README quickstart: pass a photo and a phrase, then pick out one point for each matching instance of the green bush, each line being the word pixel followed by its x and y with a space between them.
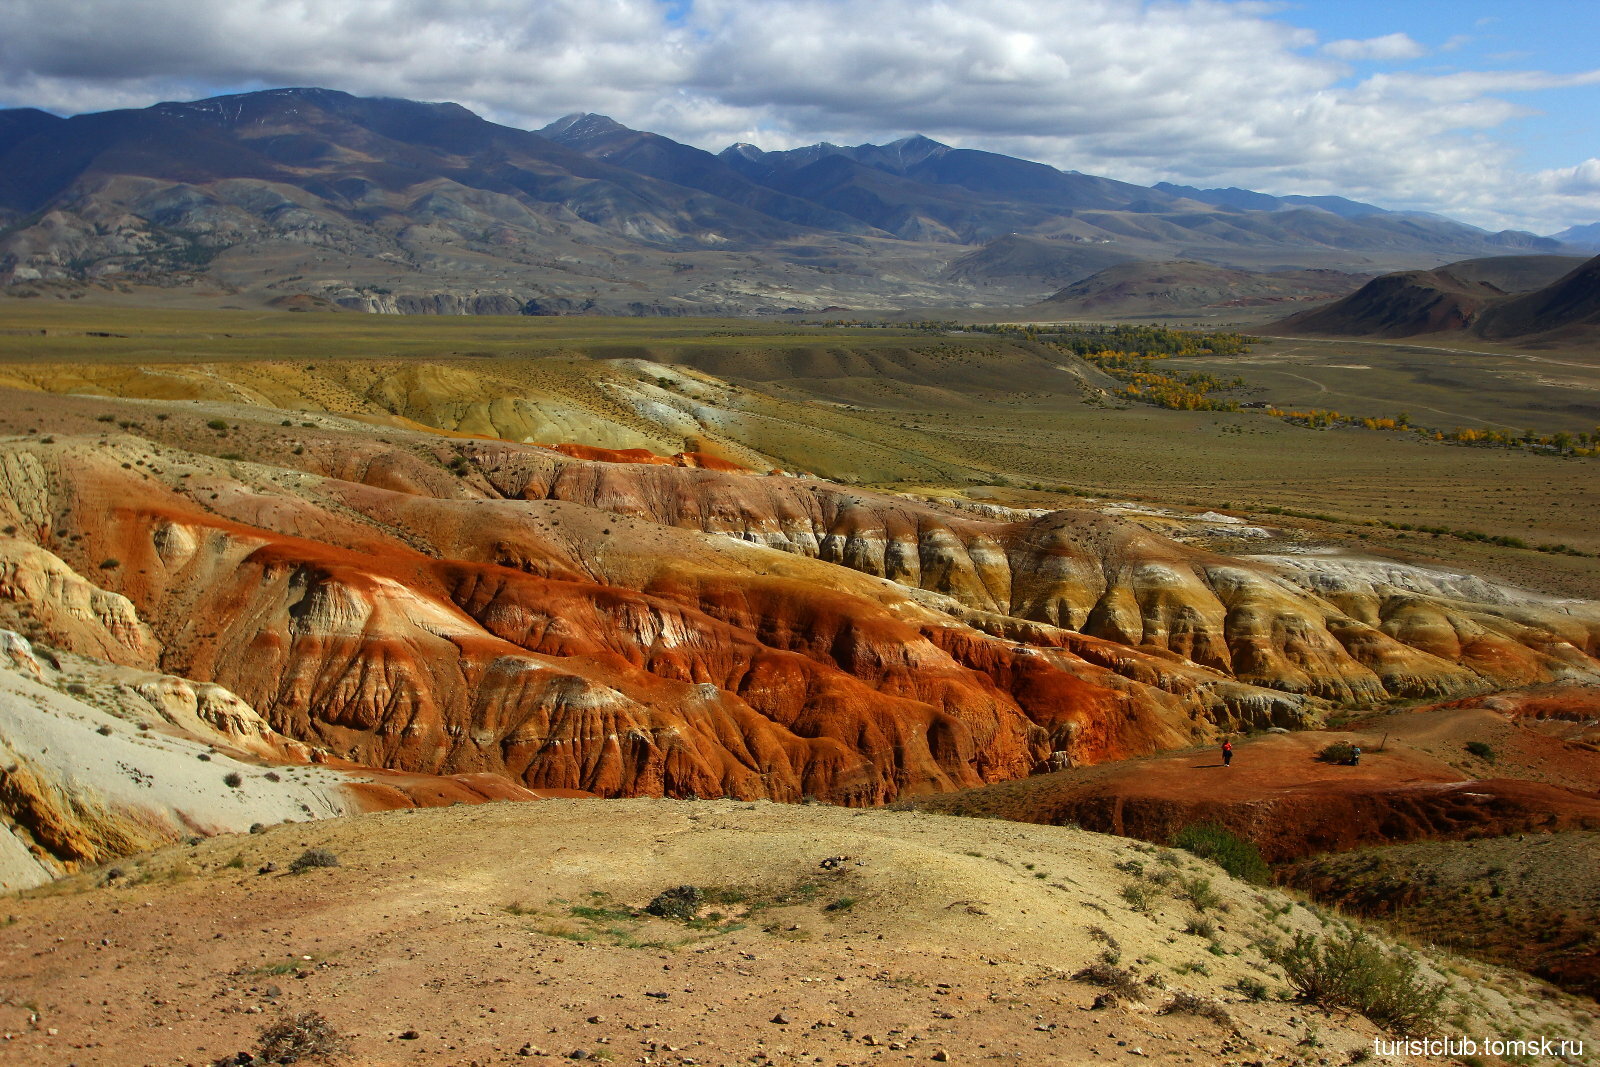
pixel 1198 892
pixel 1251 989
pixel 1138 897
pixel 1229 851
pixel 1338 752
pixel 1482 749
pixel 217 424
pixel 1351 971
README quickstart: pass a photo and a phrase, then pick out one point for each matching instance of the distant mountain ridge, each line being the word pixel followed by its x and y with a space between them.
pixel 1246 200
pixel 1487 298
pixel 1581 236
pixel 397 206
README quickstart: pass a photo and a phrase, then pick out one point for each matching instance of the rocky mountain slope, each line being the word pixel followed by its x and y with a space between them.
pixel 310 197
pixel 1581 236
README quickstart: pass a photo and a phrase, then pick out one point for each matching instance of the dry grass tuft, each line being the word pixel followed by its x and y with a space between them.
pixel 1119 981
pixel 1184 1003
pixel 301 1037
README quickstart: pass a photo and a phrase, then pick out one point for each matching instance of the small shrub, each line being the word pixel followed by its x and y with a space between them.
pixel 313 857
pixel 1251 989
pixel 1229 851
pixel 272 776
pixel 233 779
pixel 110 564
pixel 1353 972
pixel 1201 926
pixel 681 902
pixel 1482 749
pixel 302 1036
pixel 103 730
pixel 1099 933
pixel 1115 979
pixel 237 863
pixel 217 424
pixel 1137 896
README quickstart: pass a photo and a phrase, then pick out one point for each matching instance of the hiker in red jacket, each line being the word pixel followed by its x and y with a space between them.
pixel 1227 753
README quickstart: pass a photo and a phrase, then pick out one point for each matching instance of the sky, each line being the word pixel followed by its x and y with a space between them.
pixel 1486 112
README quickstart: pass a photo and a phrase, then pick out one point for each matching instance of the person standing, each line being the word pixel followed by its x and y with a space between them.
pixel 1227 753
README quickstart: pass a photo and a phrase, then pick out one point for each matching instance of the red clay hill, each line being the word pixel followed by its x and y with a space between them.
pixel 1419 777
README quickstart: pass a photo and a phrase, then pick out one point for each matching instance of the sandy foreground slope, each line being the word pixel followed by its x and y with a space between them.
pixel 509 933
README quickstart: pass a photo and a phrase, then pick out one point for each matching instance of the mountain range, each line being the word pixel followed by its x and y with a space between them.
pixel 316 198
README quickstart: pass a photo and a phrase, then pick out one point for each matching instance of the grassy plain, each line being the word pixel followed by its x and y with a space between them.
pixel 1002 419
pixel 78 332
pixel 1465 384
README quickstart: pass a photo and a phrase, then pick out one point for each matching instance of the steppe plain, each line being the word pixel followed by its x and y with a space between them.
pixel 904 408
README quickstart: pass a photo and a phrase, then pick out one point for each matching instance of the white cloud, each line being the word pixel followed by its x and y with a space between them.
pixel 1195 91
pixel 1582 180
pixel 1391 46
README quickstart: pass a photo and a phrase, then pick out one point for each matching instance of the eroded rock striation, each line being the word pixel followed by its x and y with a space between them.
pixel 461 607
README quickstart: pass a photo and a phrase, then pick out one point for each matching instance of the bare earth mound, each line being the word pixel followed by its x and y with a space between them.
pixel 818 935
